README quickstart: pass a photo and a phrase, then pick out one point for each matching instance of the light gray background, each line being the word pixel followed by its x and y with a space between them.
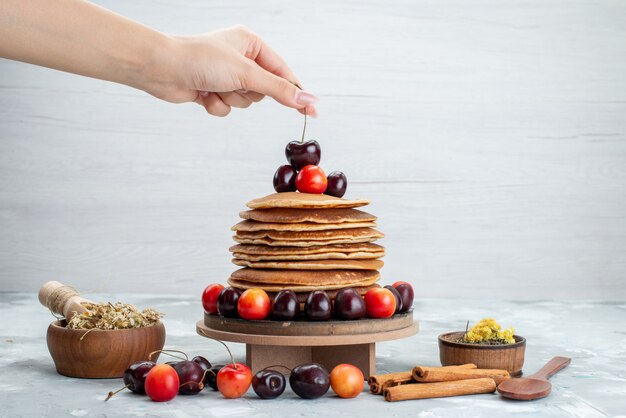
pixel 491 139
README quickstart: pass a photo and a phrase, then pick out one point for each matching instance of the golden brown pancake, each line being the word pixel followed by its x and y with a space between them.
pixel 338 278
pixel 299 200
pixel 332 234
pixel 250 226
pixel 278 243
pixel 312 264
pixel 320 216
pixel 304 257
pixel 319 249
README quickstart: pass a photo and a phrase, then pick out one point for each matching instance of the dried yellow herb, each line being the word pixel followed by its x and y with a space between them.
pixel 118 316
pixel 488 331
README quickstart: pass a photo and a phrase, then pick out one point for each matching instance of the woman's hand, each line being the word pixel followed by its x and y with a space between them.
pixel 227 68
pixel 231 67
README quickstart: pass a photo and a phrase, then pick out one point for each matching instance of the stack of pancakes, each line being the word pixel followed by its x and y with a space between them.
pixel 306 242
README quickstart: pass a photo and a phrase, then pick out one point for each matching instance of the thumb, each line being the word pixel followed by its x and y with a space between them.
pixel 281 90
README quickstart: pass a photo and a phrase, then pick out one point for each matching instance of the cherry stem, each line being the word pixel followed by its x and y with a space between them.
pixel 168 352
pixel 111 394
pixel 304 128
pixel 232 359
pixel 199 384
pixel 277 365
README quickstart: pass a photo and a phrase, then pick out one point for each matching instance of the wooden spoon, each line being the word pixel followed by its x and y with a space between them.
pixel 535 386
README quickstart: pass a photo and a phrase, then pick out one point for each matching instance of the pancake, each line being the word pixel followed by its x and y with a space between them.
pixel 319 249
pixel 320 216
pixel 270 288
pixel 304 257
pixel 332 293
pixel 331 234
pixel 248 225
pixel 337 278
pixel 312 264
pixel 299 200
pixel 278 243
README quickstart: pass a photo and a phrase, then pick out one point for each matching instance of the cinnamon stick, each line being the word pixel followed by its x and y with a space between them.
pixel 441 374
pixel 439 389
pixel 378 383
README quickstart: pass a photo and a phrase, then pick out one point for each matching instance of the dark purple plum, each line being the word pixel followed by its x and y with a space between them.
pixel 190 374
pixel 397 296
pixel 406 294
pixel 135 375
pixel 300 154
pixel 337 184
pixel 285 307
pixel 227 302
pixel 317 306
pixel 268 384
pixel 285 179
pixel 309 381
pixel 349 304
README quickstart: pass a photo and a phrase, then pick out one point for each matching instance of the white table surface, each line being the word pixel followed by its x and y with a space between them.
pixel 592 334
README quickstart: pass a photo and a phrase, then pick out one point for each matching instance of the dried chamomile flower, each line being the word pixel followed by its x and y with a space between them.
pixel 488 331
pixel 118 316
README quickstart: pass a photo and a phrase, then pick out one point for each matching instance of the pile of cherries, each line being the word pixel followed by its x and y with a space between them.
pixel 303 173
pixel 162 382
pixel 255 304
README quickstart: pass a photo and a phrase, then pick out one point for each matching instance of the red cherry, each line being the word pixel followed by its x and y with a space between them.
pixel 254 304
pixel 209 298
pixel 162 383
pixel 233 380
pixel 311 179
pixel 380 303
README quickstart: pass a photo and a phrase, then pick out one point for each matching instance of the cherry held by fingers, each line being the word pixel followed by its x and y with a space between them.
pixel 254 304
pixel 162 383
pixel 380 303
pixel 300 154
pixel 233 380
pixel 346 380
pixel 209 298
pixel 311 179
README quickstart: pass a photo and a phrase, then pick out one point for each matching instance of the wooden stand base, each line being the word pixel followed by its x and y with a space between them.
pixel 362 356
pixel 270 343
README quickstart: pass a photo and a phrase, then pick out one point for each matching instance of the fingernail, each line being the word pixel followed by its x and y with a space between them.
pixel 204 93
pixel 242 91
pixel 306 98
pixel 311 111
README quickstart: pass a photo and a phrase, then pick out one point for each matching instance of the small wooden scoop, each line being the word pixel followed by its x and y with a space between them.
pixel 535 386
pixel 62 299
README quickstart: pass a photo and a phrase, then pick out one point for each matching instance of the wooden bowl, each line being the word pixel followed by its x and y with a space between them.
pixel 101 353
pixel 508 357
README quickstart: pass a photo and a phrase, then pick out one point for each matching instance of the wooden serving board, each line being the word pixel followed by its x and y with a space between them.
pixel 292 343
